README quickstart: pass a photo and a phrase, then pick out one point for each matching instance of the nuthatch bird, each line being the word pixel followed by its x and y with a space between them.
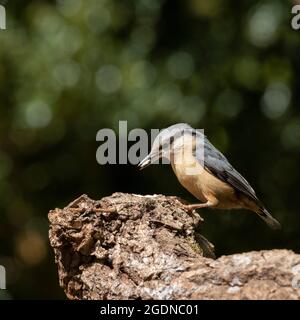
pixel 205 172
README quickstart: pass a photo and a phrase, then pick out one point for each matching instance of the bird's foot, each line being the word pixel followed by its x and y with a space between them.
pixel 189 208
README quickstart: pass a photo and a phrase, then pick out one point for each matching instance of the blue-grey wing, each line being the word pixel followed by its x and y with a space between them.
pixel 216 163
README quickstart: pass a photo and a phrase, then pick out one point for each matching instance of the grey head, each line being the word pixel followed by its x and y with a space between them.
pixel 167 142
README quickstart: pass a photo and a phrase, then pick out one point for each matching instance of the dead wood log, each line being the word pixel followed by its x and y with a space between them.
pixel 129 246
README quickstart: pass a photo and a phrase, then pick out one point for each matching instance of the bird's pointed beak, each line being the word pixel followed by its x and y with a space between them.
pixel 145 163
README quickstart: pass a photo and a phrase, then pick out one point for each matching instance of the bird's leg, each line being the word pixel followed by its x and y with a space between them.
pixel 208 204
pixel 191 207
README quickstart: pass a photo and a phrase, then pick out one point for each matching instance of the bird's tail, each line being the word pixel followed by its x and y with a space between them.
pixel 267 217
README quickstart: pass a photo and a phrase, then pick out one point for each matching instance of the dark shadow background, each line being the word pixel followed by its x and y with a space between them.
pixel 71 67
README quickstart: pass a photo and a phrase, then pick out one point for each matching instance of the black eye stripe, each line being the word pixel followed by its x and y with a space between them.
pixel 163 146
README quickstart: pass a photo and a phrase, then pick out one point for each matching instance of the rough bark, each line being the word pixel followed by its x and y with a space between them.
pixel 130 246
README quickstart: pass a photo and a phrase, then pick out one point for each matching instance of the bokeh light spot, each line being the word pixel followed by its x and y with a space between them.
pixel 98 19
pixel 67 74
pixel 247 71
pixel 142 74
pixel 276 100
pixel 205 8
pixel 142 39
pixel 263 24
pixel 69 7
pixel 181 65
pixel 168 97
pixel 37 114
pixel 192 110
pixel 31 247
pixel 109 79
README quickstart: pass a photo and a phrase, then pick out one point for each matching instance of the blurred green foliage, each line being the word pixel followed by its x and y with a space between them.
pixel 71 67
